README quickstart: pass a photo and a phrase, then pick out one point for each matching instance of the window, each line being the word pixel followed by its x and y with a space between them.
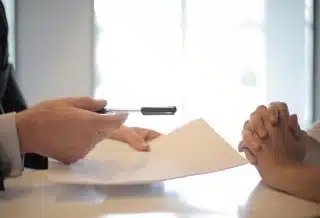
pixel 139 45
pixel 208 57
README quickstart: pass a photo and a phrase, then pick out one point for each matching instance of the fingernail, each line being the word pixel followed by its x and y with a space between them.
pixel 123 116
pixel 145 146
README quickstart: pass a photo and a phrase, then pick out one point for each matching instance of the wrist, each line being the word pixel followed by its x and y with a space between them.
pixel 281 176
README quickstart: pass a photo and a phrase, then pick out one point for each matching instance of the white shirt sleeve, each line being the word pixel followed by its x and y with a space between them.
pixel 9 143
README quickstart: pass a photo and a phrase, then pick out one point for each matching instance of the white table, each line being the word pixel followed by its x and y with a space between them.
pixel 232 193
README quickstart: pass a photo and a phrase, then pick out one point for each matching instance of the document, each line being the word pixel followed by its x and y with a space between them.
pixel 192 149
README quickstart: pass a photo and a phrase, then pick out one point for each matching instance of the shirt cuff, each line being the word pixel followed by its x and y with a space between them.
pixel 9 143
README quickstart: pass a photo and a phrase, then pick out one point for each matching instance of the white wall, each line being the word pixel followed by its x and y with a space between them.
pixel 54 48
pixel 288 77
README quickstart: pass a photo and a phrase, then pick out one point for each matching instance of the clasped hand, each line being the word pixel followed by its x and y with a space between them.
pixel 272 139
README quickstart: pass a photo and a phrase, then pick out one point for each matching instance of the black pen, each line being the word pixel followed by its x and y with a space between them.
pixel 143 110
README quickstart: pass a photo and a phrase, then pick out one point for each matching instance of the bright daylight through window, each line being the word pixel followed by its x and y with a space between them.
pixel 207 57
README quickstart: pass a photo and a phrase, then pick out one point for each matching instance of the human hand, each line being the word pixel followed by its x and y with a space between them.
pixel 256 125
pixel 65 129
pixel 136 137
pixel 278 145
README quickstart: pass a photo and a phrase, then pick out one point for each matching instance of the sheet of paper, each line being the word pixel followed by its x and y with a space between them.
pixel 192 149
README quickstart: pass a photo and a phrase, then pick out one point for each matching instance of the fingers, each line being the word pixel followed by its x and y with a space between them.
pixel 258 119
pixel 250 140
pixel 131 137
pixel 265 127
pixel 294 126
pixel 136 137
pixel 250 156
pixel 147 134
pixel 247 132
pixel 252 128
pixel 240 146
pixel 282 110
pixel 273 113
pixel 87 103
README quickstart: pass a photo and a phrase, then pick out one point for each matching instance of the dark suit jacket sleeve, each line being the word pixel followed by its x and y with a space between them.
pixel 13 100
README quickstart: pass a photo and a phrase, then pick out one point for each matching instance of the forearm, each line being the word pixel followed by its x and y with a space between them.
pixel 301 181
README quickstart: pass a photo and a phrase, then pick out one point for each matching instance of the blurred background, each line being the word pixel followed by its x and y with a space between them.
pixel 213 59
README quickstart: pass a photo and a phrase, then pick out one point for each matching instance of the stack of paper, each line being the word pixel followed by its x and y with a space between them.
pixel 193 149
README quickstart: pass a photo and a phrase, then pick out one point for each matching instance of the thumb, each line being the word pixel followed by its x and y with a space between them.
pixel 109 123
pixel 87 103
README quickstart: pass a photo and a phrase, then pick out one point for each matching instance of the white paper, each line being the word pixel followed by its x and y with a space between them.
pixel 193 149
